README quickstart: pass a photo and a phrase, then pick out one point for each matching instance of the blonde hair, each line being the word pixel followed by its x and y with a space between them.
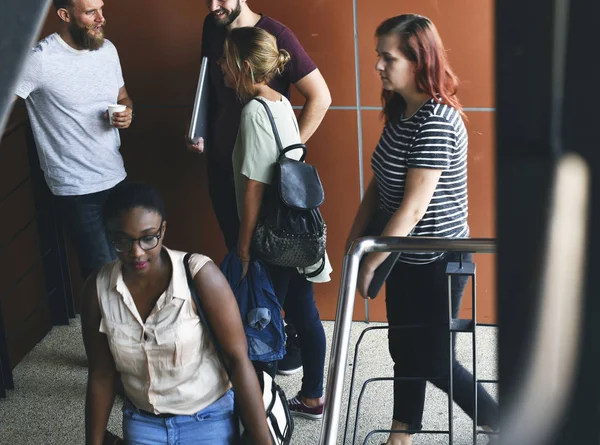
pixel 251 56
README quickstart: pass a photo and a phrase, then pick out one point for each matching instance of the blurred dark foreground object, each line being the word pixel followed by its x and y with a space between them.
pixel 111 439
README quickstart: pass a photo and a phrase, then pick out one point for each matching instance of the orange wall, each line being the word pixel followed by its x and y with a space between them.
pixel 159 46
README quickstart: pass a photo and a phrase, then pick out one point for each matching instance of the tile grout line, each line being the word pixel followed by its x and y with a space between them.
pixel 371 108
pixel 358 99
pixel 299 107
pixel 359 119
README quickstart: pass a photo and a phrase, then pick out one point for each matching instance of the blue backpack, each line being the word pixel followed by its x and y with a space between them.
pixel 259 308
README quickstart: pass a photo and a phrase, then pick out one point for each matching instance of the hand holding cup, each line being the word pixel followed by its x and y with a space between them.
pixel 119 115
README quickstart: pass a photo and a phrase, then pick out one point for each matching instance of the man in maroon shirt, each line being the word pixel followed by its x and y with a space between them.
pixel 226 108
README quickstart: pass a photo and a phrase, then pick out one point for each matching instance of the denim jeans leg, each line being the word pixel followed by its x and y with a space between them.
pixel 139 429
pixel 82 219
pixel 311 337
pixel 214 425
pixel 297 297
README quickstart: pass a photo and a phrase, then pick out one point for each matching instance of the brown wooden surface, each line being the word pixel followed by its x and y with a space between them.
pixel 159 47
pixel 26 315
pixel 466 28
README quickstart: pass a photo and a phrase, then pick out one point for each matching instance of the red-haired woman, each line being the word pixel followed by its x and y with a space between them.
pixel 419 189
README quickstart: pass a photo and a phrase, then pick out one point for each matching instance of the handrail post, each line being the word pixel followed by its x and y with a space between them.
pixel 345 308
pixel 340 345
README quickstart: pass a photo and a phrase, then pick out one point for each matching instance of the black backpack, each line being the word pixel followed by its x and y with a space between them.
pixel 291 231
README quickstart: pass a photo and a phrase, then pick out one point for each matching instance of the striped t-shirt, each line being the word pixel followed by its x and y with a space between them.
pixel 434 137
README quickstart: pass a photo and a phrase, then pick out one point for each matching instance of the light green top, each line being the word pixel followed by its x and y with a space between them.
pixel 255 152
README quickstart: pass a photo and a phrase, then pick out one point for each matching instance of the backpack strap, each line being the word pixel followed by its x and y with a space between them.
pixel 272 120
pixel 282 151
pixel 299 146
pixel 201 314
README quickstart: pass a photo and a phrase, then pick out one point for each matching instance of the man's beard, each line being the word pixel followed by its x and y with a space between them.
pixel 84 39
pixel 230 18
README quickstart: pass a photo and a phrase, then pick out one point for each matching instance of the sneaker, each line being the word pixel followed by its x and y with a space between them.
pixel 111 439
pixel 291 363
pixel 493 439
pixel 298 408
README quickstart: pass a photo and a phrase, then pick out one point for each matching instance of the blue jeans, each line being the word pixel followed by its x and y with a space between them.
pixel 214 425
pixel 81 216
pixel 296 295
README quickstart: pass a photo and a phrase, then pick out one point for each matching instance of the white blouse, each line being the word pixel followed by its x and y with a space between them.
pixel 167 364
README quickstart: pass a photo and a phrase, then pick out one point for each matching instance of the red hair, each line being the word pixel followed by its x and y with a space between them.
pixel 420 43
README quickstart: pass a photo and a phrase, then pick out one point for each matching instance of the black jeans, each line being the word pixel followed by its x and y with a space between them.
pixel 296 295
pixel 81 216
pixel 221 189
pixel 418 294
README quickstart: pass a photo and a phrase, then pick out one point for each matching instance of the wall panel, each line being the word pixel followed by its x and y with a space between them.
pixel 333 152
pixel 19 256
pixel 32 330
pixel 19 205
pixel 13 152
pixel 154 151
pixel 159 46
pixel 325 29
pixel 22 300
pixel 482 209
pixel 466 28
pixel 22 282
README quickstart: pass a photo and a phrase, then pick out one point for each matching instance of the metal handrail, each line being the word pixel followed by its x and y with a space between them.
pixel 345 308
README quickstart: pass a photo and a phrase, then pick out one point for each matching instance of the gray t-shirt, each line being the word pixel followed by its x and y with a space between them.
pixel 255 153
pixel 67 92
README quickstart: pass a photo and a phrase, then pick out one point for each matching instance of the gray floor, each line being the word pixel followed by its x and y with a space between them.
pixel 47 406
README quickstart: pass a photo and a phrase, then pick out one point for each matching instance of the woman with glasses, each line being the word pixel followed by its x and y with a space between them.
pixel 140 323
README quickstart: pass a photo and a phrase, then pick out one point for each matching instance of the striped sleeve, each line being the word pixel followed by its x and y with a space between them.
pixel 434 144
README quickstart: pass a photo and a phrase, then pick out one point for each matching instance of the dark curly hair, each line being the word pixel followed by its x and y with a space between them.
pixel 129 195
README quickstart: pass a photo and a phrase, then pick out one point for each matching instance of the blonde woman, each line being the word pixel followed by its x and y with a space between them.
pixel 251 60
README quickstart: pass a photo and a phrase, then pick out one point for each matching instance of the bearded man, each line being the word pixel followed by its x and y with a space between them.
pixel 225 113
pixel 69 80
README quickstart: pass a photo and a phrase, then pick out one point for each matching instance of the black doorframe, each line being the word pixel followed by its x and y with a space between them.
pixel 530 139
pixel 19 28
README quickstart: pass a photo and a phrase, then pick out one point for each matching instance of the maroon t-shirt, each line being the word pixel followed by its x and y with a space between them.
pixel 225 106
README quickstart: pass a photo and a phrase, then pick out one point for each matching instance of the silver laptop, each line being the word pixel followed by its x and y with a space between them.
pixel 199 122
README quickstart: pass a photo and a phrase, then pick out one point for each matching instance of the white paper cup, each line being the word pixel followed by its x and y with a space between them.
pixel 115 108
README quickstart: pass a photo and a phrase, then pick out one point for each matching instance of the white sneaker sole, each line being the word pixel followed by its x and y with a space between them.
pixel 306 415
pixel 289 371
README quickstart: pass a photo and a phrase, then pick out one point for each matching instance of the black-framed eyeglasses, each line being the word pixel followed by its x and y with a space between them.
pixel 147 242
